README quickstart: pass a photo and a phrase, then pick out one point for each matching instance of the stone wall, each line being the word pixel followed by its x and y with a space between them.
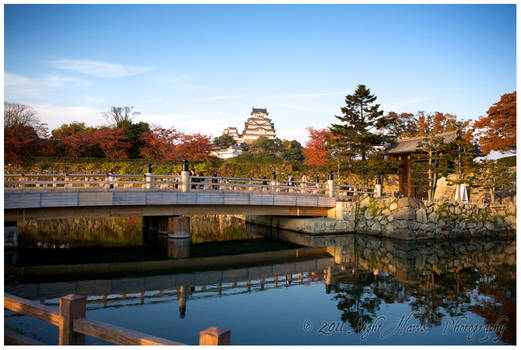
pixel 409 218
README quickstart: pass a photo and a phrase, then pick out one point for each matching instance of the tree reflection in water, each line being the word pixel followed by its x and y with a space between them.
pixel 433 296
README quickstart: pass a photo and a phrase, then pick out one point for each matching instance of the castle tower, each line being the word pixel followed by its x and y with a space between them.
pixel 258 125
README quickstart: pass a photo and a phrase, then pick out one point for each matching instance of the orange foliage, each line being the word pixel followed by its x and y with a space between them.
pixel 112 142
pixel 316 153
pixel 171 144
pixel 498 128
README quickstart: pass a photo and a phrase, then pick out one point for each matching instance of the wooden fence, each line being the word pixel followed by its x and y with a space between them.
pixel 74 326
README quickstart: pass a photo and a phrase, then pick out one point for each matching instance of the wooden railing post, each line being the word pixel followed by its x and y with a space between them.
pixel 72 307
pixel 215 336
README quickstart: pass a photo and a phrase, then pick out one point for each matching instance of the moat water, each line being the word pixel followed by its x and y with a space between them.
pixel 356 290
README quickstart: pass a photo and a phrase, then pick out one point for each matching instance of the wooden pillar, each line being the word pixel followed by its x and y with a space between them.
pixel 329 280
pixel 181 299
pixel 215 336
pixel 72 306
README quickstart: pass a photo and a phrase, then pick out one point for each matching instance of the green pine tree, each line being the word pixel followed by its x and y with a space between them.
pixel 362 131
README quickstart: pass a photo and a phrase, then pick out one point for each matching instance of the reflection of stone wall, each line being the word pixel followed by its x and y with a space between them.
pixel 409 218
pixel 407 262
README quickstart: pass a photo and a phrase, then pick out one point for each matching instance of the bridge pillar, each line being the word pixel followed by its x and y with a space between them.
pixel 178 237
pixel 152 236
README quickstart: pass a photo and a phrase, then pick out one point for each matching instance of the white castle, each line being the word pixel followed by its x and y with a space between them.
pixel 256 126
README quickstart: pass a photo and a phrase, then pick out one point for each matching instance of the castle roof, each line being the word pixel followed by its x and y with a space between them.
pixel 259 110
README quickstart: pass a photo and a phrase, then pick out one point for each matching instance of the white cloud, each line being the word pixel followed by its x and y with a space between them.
pixel 55 116
pixel 395 106
pixel 20 87
pixel 99 68
pixel 94 98
pixel 301 135
pixel 313 94
pixel 216 98
pixel 188 123
pixel 154 100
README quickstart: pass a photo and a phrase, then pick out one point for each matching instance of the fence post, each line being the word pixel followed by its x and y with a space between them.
pixel 378 186
pixel 274 181
pixel 148 177
pixel 67 179
pixel 215 336
pixel 185 177
pixel 72 307
pixel 22 184
pixel 330 184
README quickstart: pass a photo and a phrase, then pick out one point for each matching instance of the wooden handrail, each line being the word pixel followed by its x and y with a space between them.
pixel 117 335
pixel 73 326
pixel 32 309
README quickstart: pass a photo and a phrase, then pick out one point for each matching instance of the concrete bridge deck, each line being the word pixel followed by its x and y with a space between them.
pixel 49 196
pixel 50 205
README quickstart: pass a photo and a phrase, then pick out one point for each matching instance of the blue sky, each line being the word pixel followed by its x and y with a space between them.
pixel 200 68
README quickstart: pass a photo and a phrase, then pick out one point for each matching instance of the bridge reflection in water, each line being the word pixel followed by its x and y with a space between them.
pixel 436 281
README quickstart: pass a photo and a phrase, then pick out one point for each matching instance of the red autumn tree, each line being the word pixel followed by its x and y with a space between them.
pixel 195 147
pixel 316 152
pixel 24 134
pixel 74 140
pixel 435 123
pixel 112 142
pixel 497 131
pixel 161 144
pixel 20 141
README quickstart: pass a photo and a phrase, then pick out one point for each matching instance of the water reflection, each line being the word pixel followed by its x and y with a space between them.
pixel 437 279
pixel 433 287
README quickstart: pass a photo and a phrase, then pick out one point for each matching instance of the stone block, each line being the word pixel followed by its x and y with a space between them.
pixel 421 216
pixel 405 213
pixel 410 202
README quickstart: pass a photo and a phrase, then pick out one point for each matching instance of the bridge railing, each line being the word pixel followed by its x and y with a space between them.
pixel 204 183
pixel 344 191
pixel 129 182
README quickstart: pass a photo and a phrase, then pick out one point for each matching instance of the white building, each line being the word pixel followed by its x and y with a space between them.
pixel 256 126
pixel 230 152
